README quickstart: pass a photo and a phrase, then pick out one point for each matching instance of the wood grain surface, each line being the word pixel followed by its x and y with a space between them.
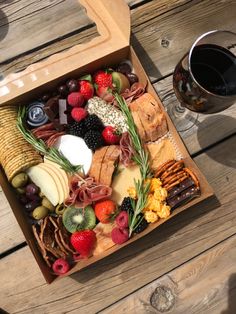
pixel 162 32
pixel 205 284
pixel 111 279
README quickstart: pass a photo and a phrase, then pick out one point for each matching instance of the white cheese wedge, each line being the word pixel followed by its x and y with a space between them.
pixel 75 150
pixel 45 182
pixel 123 181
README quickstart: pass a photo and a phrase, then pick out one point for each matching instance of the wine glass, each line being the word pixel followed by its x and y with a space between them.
pixel 204 80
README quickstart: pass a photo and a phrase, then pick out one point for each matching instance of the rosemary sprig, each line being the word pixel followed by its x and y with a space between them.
pixel 50 152
pixel 141 158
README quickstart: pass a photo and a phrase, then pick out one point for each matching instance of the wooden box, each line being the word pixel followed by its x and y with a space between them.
pixel 113 24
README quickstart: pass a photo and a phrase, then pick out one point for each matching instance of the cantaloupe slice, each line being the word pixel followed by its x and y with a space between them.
pixel 56 177
pixel 124 180
pixel 45 182
pixel 62 175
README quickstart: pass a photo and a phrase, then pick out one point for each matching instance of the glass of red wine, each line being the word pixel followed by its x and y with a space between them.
pixel 205 78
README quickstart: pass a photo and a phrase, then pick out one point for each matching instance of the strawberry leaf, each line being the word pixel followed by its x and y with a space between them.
pixel 87 77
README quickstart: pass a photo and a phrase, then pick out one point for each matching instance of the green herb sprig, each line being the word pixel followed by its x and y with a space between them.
pixel 50 152
pixel 141 158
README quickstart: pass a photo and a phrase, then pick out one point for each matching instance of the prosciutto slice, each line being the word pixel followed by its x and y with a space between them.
pixel 126 150
pixel 86 191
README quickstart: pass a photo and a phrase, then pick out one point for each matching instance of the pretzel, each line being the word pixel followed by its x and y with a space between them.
pixel 193 176
pixel 173 169
pixel 163 167
pixel 170 186
pixel 173 177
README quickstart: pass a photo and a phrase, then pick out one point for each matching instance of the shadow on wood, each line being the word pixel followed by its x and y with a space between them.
pixel 145 59
pixel 4 25
pixel 231 296
pixel 157 236
pixel 204 138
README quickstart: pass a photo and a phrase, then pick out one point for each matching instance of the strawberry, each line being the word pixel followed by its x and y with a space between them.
pixel 119 235
pixel 60 266
pixel 78 114
pixel 75 99
pixel 102 79
pixel 104 210
pixel 110 135
pixel 86 89
pixel 83 242
pixel 105 93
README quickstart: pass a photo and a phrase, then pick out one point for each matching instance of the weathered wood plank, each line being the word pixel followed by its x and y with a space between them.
pixel 34 23
pixel 113 278
pixel 161 38
pixel 162 32
pixel 11 234
pixel 204 285
pixel 209 128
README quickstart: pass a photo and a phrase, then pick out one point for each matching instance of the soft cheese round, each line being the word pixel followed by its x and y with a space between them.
pixel 75 150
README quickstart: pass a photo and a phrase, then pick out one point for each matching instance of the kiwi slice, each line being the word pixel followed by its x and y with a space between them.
pixel 75 219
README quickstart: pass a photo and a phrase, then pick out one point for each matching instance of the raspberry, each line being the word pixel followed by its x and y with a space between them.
pixel 92 122
pixel 78 114
pixel 122 220
pixel 77 128
pixel 93 139
pixel 75 99
pixel 119 235
pixel 60 266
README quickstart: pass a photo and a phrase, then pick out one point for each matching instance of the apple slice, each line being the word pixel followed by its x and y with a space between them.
pixel 62 174
pixel 55 176
pixel 45 182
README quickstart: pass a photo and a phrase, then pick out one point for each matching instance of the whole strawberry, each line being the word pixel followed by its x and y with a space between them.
pixel 104 210
pixel 83 242
pixel 102 79
pixel 111 135
pixel 86 89
pixel 78 114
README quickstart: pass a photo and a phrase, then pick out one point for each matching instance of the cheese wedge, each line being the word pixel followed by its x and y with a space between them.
pixel 124 180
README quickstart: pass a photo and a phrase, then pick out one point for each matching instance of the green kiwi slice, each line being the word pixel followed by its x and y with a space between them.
pixel 75 219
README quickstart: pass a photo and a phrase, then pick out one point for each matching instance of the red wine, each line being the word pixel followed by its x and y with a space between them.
pixel 214 68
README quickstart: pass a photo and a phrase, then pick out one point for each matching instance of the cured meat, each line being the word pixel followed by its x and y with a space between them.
pixel 126 150
pixel 149 118
pixel 86 191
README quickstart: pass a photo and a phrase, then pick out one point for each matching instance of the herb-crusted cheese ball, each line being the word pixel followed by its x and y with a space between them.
pixel 109 114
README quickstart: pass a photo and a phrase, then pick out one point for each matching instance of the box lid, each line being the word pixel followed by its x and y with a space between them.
pixel 112 19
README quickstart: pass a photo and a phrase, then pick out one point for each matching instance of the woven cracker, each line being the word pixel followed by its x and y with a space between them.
pixel 16 154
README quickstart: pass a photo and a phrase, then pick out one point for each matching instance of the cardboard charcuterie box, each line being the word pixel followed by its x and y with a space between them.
pixel 112 19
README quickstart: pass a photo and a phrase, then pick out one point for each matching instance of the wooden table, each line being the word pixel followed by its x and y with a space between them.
pixel 188 264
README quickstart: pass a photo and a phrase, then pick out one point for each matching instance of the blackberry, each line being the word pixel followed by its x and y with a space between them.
pixel 77 128
pixel 92 122
pixel 93 139
pixel 141 226
pixel 126 204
